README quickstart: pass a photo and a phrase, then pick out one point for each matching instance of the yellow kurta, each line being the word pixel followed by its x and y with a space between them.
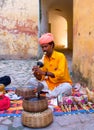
pixel 56 64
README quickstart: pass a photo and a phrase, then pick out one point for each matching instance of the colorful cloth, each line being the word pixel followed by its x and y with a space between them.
pixel 15 109
pixel 4 103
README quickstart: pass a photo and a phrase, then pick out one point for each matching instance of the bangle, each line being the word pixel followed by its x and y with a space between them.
pixel 45 73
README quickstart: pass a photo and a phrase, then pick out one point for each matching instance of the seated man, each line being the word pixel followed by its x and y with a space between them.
pixel 54 74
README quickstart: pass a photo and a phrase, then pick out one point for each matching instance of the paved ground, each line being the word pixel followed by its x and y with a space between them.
pixel 20 72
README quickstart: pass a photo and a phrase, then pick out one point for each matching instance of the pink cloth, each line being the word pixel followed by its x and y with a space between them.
pixel 46 38
pixel 4 102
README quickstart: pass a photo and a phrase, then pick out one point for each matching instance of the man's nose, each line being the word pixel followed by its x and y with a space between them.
pixel 44 49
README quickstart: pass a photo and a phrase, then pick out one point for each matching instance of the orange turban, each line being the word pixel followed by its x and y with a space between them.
pixel 46 38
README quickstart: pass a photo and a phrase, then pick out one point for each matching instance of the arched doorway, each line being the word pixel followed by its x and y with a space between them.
pixel 58 27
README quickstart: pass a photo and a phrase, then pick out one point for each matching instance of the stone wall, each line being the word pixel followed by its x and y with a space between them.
pixel 18 29
pixel 83 44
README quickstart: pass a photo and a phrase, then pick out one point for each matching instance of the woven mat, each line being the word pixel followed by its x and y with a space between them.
pixel 16 109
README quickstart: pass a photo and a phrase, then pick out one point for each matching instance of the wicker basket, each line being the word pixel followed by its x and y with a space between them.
pixel 29 91
pixel 37 120
pixel 25 92
pixel 35 104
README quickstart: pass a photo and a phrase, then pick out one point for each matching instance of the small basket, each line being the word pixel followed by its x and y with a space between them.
pixel 29 91
pixel 35 104
pixel 25 92
pixel 37 120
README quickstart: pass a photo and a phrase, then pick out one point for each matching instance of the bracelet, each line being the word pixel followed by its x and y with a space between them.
pixel 46 74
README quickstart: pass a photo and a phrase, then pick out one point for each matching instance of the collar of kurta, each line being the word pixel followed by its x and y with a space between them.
pixel 53 55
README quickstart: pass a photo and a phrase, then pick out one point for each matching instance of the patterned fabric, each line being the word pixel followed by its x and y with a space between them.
pixel 16 108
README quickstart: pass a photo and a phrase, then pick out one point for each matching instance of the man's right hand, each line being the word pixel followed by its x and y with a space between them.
pixel 37 75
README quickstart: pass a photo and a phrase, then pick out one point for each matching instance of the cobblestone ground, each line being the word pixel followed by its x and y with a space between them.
pixel 20 72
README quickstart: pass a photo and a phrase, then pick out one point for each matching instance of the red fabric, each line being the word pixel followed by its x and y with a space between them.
pixel 4 103
pixel 46 38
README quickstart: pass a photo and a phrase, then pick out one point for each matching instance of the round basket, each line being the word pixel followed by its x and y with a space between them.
pixel 37 120
pixel 29 91
pixel 25 92
pixel 35 104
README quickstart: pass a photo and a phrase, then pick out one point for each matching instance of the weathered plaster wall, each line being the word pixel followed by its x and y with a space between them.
pixel 18 28
pixel 83 44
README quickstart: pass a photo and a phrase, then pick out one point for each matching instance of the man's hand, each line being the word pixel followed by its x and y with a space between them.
pixel 38 72
pixel 37 75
